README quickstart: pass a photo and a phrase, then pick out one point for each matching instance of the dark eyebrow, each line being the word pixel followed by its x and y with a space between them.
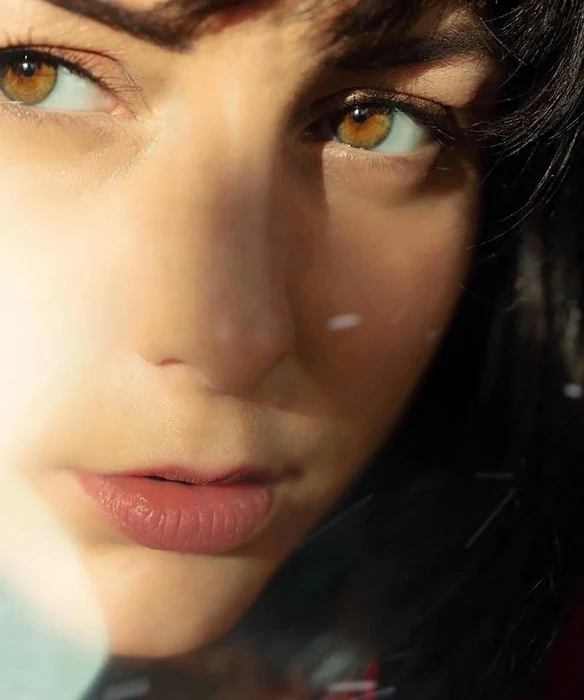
pixel 171 24
pixel 389 50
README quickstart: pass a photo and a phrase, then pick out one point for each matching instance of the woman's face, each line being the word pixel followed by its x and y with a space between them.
pixel 226 263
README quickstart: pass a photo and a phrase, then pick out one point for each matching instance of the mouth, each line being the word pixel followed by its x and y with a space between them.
pixel 180 509
pixel 191 477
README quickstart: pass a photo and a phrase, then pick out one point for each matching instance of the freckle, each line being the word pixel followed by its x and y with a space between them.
pixel 345 322
pixel 573 391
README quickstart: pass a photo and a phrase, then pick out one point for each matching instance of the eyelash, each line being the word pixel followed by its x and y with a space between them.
pixel 438 118
pixel 84 64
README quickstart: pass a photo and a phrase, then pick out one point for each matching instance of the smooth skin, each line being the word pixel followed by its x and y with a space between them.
pixel 187 277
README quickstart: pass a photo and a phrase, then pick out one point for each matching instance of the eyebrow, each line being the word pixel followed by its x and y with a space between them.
pixel 171 24
pixel 391 51
pixel 167 24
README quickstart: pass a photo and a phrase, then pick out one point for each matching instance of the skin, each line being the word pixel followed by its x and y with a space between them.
pixel 170 272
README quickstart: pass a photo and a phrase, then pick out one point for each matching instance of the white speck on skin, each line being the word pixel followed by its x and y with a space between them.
pixel 136 688
pixel 573 391
pixel 345 322
pixel 432 335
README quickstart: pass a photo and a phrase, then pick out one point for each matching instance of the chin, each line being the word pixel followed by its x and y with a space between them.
pixel 160 606
pixel 158 637
pixel 166 646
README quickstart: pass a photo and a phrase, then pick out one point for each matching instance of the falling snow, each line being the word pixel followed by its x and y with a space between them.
pixel 137 688
pixel 492 517
pixel 494 476
pixel 573 391
pixel 352 686
pixel 344 322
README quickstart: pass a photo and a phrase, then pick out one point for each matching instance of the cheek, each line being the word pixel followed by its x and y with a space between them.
pixel 383 299
pixel 55 318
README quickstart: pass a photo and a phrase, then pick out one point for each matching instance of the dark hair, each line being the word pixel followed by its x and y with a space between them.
pixel 447 561
pixel 455 552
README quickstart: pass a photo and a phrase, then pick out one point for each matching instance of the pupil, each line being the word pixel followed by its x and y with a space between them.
pixel 28 68
pixel 360 115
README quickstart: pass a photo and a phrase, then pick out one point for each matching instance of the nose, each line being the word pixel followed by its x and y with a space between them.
pixel 211 288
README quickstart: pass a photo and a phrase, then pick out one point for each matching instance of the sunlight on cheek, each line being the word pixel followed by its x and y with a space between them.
pixel 39 364
pixel 53 640
pixel 57 623
pixel 56 328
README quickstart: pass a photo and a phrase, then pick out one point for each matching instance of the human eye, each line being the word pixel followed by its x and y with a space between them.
pixel 385 124
pixel 53 80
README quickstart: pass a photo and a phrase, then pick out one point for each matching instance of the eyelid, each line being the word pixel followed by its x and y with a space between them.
pixel 104 72
pixel 439 118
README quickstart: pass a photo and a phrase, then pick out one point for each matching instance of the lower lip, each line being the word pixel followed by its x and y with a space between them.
pixel 175 517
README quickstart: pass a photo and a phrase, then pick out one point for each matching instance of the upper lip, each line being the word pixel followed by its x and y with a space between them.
pixel 193 475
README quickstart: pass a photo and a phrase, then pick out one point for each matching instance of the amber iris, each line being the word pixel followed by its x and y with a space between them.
pixel 28 81
pixel 365 127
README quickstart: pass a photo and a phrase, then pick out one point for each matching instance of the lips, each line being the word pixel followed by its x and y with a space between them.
pixel 178 509
pixel 186 475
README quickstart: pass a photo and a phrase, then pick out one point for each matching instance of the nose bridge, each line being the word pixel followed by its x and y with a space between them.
pixel 216 266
